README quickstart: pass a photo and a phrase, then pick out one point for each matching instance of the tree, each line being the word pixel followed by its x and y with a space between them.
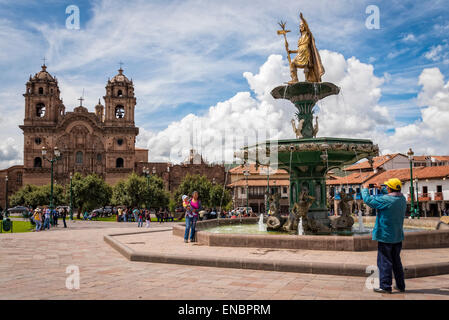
pixel 31 195
pixel 219 196
pixel 192 183
pixel 135 192
pixel 89 192
pixel 209 194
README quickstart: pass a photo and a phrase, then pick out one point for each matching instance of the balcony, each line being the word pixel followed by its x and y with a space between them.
pixel 424 197
pixel 439 196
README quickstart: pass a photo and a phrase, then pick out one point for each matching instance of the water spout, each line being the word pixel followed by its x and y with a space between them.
pixel 300 228
pixel 262 226
pixel 361 226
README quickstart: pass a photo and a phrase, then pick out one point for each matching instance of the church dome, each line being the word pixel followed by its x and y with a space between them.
pixel 120 77
pixel 43 74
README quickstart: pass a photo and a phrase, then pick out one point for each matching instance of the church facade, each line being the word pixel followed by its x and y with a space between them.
pixel 101 142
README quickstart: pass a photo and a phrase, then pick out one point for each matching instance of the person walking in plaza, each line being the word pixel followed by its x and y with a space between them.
pixel 388 232
pixel 47 216
pixel 55 217
pixel 140 218
pixel 63 216
pixel 192 212
pixel 37 217
pixel 147 218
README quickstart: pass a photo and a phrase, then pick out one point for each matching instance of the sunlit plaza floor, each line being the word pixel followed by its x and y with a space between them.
pixel 33 266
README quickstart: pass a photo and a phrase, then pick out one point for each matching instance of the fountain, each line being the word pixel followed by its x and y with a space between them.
pixel 308 158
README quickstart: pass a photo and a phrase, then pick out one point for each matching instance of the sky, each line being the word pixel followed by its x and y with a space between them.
pixel 203 70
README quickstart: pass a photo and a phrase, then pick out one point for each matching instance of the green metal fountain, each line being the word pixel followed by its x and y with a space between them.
pixel 308 158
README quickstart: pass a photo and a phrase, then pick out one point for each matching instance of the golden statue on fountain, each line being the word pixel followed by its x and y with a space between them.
pixel 307 58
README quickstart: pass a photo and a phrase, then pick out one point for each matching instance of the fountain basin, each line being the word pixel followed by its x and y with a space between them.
pixel 412 240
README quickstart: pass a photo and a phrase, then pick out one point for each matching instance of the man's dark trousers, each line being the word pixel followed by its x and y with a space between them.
pixel 389 261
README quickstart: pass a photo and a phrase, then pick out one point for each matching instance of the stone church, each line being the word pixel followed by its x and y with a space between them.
pixel 101 142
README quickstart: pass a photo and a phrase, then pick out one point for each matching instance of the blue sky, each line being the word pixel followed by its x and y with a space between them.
pixel 186 56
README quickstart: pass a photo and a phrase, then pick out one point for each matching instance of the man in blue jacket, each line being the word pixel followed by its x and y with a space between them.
pixel 388 232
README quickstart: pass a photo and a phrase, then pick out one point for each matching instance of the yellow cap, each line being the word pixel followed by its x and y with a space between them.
pixel 394 183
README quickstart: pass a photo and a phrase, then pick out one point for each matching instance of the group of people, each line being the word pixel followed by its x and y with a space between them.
pixel 46 217
pixel 134 215
pixel 164 215
pixel 192 207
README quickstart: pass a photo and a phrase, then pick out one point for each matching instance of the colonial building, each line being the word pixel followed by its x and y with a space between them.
pixel 101 142
pixel 255 186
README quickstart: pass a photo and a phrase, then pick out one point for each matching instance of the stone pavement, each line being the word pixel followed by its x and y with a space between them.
pixel 165 242
pixel 33 266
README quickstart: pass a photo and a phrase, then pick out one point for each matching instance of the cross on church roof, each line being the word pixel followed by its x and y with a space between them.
pixel 121 63
pixel 81 99
pixel 44 60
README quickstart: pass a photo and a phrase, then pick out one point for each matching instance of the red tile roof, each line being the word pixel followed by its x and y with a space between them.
pixel 418 172
pixel 252 170
pixel 260 183
pixel 377 162
pixel 353 178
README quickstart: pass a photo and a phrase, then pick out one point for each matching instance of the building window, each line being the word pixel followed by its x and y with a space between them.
pixel 119 112
pixel 119 141
pixel 37 162
pixel 19 179
pixel 41 90
pixel 79 158
pixel 284 189
pixel 119 163
pixel 99 157
pixel 119 93
pixel 40 110
pixel 38 140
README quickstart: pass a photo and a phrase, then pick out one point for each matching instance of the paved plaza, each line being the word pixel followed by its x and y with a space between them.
pixel 33 266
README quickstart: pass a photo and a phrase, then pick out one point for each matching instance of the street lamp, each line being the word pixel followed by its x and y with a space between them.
pixel 71 197
pixel 54 157
pixel 417 197
pixel 267 208
pixel 246 174
pixel 6 193
pixel 410 154
pixel 146 171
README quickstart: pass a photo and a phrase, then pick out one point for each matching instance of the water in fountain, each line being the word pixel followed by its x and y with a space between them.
pixel 262 226
pixel 300 228
pixel 361 226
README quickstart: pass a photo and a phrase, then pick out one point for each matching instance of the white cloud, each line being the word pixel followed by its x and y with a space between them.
pixel 242 116
pixel 409 38
pixel 428 135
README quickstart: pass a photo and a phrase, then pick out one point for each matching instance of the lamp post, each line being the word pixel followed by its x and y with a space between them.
pixel 6 194
pixel 247 174
pixel 54 157
pixel 410 154
pixel 268 191
pixel 71 197
pixel 146 171
pixel 417 198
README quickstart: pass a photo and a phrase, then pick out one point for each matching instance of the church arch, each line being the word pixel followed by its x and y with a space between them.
pixel 37 162
pixel 119 163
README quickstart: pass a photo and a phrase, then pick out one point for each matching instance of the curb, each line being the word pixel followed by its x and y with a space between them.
pixel 328 268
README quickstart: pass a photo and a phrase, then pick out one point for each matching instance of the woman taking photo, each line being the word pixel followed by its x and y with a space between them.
pixel 192 211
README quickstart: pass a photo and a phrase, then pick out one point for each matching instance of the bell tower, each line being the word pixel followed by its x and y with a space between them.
pixel 43 105
pixel 119 101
